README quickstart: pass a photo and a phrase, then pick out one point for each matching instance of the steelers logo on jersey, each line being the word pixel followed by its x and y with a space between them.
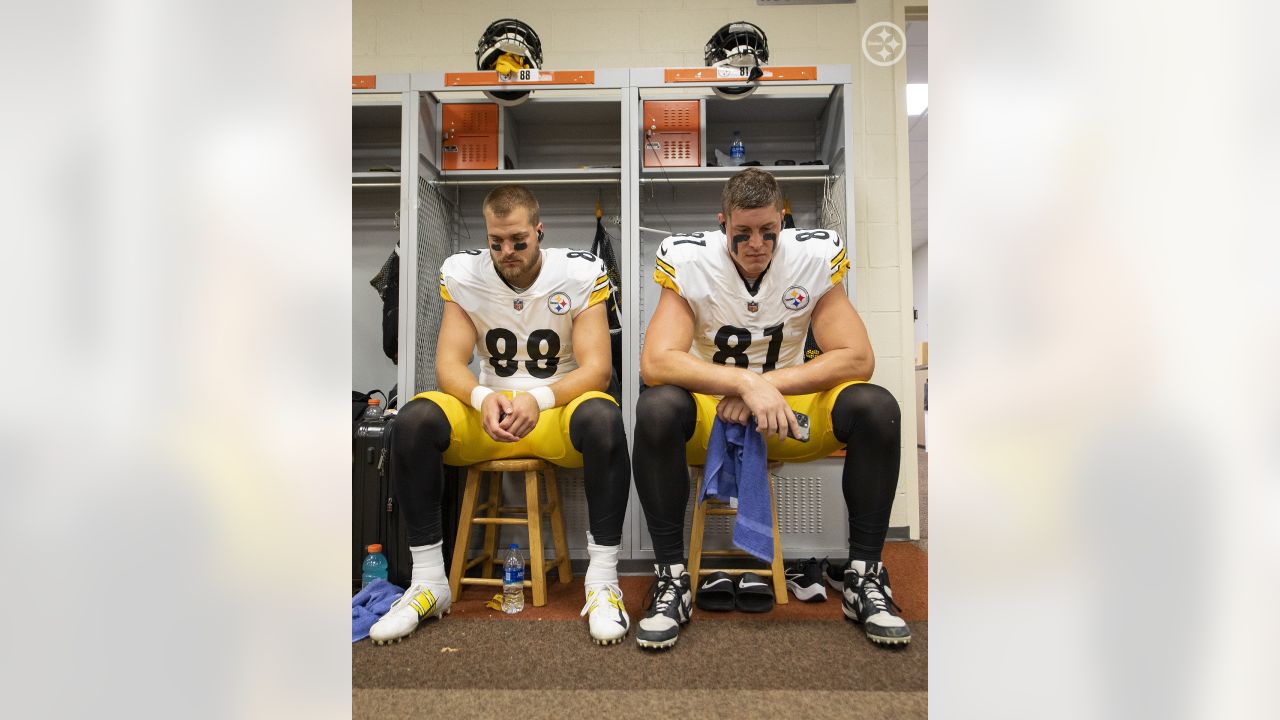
pixel 795 298
pixel 559 303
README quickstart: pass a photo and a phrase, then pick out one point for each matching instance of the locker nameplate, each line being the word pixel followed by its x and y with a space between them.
pixel 534 77
pixel 710 74
pixel 364 82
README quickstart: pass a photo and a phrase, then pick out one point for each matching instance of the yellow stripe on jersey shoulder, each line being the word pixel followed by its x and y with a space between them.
pixel 839 256
pixel 444 293
pixel 665 280
pixel 837 273
pixel 598 296
pixel 666 266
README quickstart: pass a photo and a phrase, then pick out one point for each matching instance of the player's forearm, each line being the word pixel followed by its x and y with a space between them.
pixel 824 372
pixel 456 379
pixel 584 378
pixel 680 368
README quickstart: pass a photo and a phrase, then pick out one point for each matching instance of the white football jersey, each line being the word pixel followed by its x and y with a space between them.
pixel 524 339
pixel 733 326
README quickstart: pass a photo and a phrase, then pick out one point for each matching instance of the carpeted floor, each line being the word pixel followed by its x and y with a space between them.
pixel 799 658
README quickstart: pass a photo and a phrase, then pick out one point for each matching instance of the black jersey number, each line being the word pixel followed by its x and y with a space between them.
pixel 581 254
pixel 694 238
pixel 501 343
pixel 741 340
pixel 813 234
pixel 818 235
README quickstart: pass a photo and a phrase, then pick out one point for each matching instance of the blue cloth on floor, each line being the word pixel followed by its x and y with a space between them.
pixel 738 466
pixel 372 602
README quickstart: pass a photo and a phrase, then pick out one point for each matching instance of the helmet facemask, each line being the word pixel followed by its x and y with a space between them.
pixel 505 46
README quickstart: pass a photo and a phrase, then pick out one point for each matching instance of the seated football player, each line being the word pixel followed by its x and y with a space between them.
pixel 535 316
pixel 727 341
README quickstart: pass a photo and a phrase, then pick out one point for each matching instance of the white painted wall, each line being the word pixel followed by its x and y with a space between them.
pixel 920 290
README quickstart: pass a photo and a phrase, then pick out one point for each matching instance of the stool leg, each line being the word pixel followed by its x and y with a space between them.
pixel 537 557
pixel 695 539
pixel 557 526
pixel 779 578
pixel 491 531
pixel 464 532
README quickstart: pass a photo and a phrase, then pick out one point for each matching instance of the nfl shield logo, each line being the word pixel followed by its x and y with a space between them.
pixel 518 304
pixel 752 306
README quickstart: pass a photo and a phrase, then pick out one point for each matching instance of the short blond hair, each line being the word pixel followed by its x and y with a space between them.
pixel 503 199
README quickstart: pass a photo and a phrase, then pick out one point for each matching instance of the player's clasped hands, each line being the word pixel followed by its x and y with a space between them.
pixel 506 419
pixel 522 417
pixel 493 413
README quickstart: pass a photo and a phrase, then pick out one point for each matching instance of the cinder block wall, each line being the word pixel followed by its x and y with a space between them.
pixel 395 36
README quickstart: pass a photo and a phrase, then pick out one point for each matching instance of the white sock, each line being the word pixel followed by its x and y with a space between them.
pixel 861 566
pixel 677 569
pixel 603 568
pixel 428 565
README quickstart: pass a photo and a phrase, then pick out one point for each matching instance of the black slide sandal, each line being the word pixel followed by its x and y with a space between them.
pixel 753 594
pixel 717 592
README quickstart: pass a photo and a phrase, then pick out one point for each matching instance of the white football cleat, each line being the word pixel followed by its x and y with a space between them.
pixel 418 603
pixel 606 616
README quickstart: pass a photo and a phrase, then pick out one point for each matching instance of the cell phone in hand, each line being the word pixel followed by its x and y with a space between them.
pixel 803 421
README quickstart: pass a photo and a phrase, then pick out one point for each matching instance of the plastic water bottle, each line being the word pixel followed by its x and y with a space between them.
pixel 373 413
pixel 375 565
pixel 513 581
pixel 737 151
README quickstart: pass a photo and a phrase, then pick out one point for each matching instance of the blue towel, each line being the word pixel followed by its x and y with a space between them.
pixel 738 466
pixel 372 602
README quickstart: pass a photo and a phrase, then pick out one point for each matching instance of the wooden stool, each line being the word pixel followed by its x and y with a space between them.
pixel 530 516
pixel 711 506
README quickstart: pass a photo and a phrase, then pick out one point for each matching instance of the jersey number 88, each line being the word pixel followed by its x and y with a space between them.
pixel 501 343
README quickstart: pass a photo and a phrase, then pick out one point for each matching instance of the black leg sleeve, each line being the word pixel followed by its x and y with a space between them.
pixel 420 437
pixel 866 417
pixel 596 431
pixel 665 420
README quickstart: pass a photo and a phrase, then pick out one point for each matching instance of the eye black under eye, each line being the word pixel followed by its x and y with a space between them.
pixel 771 237
pixel 495 247
pixel 520 246
pixel 741 238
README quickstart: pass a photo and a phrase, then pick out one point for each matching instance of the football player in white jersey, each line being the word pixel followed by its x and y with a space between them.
pixel 536 318
pixel 727 341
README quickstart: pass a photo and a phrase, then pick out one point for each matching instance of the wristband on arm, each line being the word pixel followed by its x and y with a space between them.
pixel 478 394
pixel 545 397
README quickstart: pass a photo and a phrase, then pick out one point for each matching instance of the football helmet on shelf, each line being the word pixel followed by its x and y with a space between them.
pixel 505 46
pixel 742 45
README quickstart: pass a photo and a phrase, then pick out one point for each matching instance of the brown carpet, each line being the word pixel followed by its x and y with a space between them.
pixel 537 704
pixel 800 658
